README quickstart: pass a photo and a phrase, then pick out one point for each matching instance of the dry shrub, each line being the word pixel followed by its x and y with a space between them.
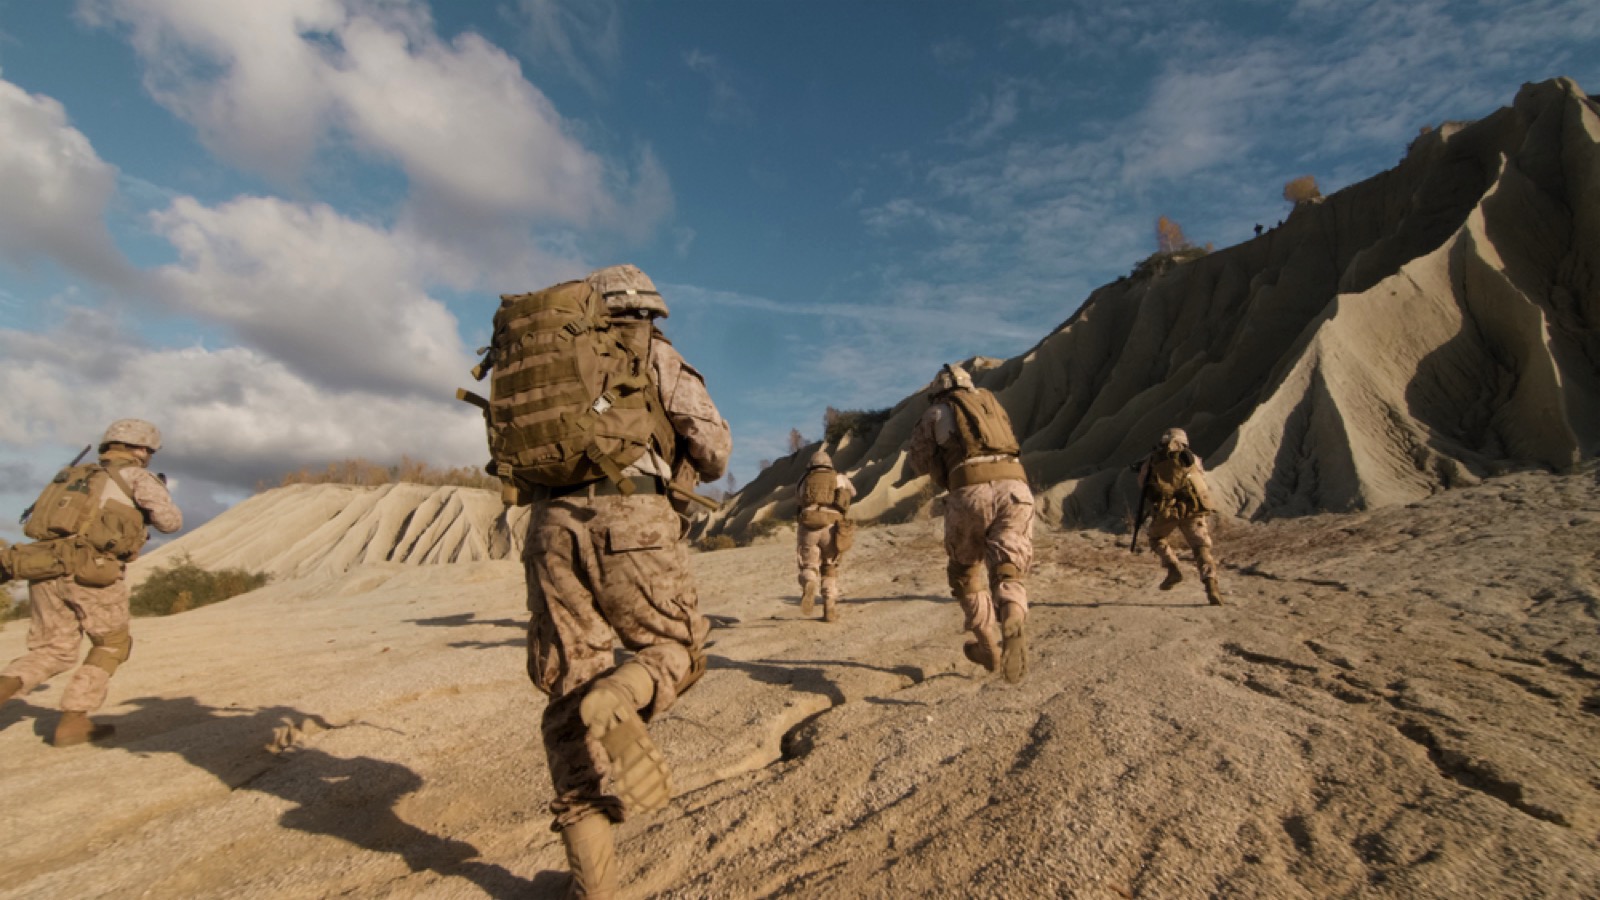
pixel 836 423
pixel 716 542
pixel 1302 190
pixel 363 473
pixel 1169 236
pixel 182 586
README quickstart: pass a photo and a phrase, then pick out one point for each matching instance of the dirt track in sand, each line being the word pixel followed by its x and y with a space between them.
pixel 1397 703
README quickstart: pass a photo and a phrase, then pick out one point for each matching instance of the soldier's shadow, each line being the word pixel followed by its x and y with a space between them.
pixel 460 620
pixel 349 798
pixel 806 678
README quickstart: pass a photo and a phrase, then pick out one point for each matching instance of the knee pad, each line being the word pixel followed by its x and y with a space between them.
pixel 965 581
pixel 1007 572
pixel 109 650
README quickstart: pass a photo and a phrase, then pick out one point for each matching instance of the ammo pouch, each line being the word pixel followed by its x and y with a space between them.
pixel 92 568
pixel 844 537
pixel 38 561
pixel 817 517
pixel 985 472
pixel 118 531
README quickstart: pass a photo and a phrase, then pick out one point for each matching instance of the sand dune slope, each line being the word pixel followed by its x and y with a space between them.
pixel 1416 331
pixel 1395 703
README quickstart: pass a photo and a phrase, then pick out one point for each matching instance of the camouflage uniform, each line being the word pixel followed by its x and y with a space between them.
pixel 599 565
pixel 987 525
pixel 817 547
pixel 1188 516
pixel 63 611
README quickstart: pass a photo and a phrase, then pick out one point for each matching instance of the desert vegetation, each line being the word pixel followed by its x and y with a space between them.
pixel 836 423
pixel 1302 190
pixel 365 473
pixel 183 586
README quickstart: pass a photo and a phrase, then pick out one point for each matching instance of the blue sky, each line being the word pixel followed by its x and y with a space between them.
pixel 277 229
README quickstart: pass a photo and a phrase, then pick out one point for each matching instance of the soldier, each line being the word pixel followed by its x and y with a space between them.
pixel 823 534
pixel 965 443
pixel 601 563
pixel 1173 487
pixel 91 596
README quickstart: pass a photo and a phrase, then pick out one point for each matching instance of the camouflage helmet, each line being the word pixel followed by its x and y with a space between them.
pixel 1173 439
pixel 950 377
pixel 820 460
pixel 626 288
pixel 134 432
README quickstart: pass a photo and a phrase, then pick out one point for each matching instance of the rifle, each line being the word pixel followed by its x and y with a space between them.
pixel 680 490
pixel 75 460
pixel 1138 519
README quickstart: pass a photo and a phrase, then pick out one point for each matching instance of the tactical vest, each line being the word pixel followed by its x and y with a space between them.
pixel 573 398
pixel 93 502
pixel 982 429
pixel 1173 485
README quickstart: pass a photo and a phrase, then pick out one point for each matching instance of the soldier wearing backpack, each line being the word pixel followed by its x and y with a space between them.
pixel 87 525
pixel 1173 485
pixel 965 443
pixel 592 414
pixel 823 534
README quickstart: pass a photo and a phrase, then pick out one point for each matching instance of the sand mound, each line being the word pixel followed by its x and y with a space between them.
pixel 1420 330
pixel 309 529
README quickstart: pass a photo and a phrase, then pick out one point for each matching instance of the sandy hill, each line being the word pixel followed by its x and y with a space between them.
pixel 1401 702
pixel 307 529
pixel 1420 330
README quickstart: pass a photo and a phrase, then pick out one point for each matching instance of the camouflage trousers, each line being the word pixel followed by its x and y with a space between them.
pixel 817 555
pixel 63 612
pixel 1195 531
pixel 989 526
pixel 602 568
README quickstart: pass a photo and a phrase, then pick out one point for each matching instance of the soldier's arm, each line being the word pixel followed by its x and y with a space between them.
pixel 844 493
pixel 151 496
pixel 922 449
pixel 704 436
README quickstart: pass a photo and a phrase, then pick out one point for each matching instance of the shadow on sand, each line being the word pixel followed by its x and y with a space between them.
pixel 461 620
pixel 352 799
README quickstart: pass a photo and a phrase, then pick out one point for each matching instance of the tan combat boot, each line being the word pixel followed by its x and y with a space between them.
pixel 9 686
pixel 1174 576
pixel 611 713
pixel 75 728
pixel 592 857
pixel 1213 592
pixel 1014 658
pixel 808 599
pixel 830 609
pixel 985 651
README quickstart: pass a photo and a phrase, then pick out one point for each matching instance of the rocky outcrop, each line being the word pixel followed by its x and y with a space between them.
pixel 1419 330
pixel 309 529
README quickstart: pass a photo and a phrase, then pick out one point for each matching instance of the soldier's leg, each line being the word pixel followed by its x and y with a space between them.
pixel 53 636
pixel 964 540
pixel 1009 552
pixel 830 574
pixel 106 621
pixel 808 556
pixel 1158 532
pixel 1198 534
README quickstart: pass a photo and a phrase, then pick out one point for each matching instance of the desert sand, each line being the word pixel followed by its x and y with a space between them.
pixel 1396 703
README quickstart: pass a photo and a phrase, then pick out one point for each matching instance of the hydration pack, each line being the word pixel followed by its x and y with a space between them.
pixel 1173 485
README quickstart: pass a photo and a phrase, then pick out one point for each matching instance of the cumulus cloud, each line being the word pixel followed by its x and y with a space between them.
pixel 265 84
pixel 229 417
pixel 340 302
pixel 54 190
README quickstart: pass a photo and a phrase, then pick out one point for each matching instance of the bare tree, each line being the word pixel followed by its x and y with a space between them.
pixel 1169 236
pixel 1302 190
pixel 796 440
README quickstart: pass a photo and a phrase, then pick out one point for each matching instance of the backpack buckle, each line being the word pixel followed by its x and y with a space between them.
pixel 602 403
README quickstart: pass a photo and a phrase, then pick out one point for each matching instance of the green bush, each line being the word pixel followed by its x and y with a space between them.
pixel 183 586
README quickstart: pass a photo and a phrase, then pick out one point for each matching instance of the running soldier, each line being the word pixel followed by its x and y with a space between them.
pixel 964 442
pixel 89 523
pixel 1173 489
pixel 823 533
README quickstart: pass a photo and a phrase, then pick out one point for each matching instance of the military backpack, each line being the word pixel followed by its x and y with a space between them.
pixel 84 524
pixel 573 398
pixel 982 424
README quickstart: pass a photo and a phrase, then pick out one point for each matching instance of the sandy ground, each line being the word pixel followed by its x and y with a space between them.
pixel 1400 703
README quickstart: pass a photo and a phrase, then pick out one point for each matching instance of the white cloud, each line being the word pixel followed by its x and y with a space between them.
pixel 230 416
pixel 266 84
pixel 340 302
pixel 580 38
pixel 54 190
